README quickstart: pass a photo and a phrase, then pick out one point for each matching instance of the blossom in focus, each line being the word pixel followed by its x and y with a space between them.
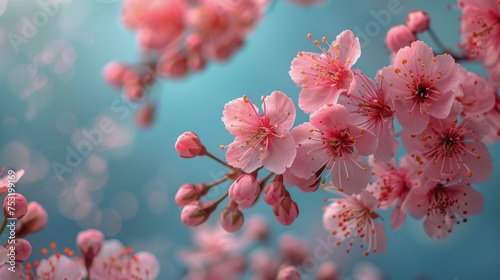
pixel 372 110
pixel 331 141
pixel 421 85
pixel 451 150
pixel 261 140
pixel 324 76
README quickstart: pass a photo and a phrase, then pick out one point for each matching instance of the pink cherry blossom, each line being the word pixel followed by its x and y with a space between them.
pixel 451 151
pixel 331 141
pixel 324 76
pixel 422 85
pixel 244 190
pixel 480 31
pixel 352 217
pixel 114 261
pixel 35 219
pixel 372 110
pixel 392 185
pixel 478 97
pixel 442 206
pixel 60 267
pixel 492 119
pixel 261 140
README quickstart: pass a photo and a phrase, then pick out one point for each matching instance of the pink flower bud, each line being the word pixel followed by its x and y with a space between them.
pixel 197 213
pixel 288 273
pixel 286 212
pixel 188 145
pixel 15 206
pixel 89 242
pixel 34 220
pixel 189 193
pixel 114 72
pixel 244 190
pixel 173 65
pixel 398 37
pixel 257 228
pixel 144 115
pixel 22 248
pixel 417 21
pixel 133 91
pixel 275 191
pixel 327 271
pixel 231 219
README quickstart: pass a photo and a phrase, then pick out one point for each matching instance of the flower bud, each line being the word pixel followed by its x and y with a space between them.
pixel 22 248
pixel 398 37
pixel 327 271
pixel 275 191
pixel 231 219
pixel 244 190
pixel 133 91
pixel 114 72
pixel 188 145
pixel 89 242
pixel 144 116
pixel 34 220
pixel 417 21
pixel 189 193
pixel 197 213
pixel 286 211
pixel 15 206
pixel 288 273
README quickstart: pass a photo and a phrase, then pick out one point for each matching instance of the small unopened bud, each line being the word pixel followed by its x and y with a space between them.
pixel 15 206
pixel 144 115
pixel 327 271
pixel 189 193
pixel 275 191
pixel 399 37
pixel 113 73
pixel 244 190
pixel 89 242
pixel 188 145
pixel 231 219
pixel 288 273
pixel 22 248
pixel 197 213
pixel 34 220
pixel 286 211
pixel 417 21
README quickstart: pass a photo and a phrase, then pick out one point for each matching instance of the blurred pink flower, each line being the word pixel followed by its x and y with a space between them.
pixel 323 77
pixel 58 267
pixel 261 140
pixel 353 217
pixel 441 206
pixel 114 261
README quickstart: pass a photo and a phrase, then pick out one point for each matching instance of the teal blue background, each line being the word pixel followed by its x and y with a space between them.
pixel 196 103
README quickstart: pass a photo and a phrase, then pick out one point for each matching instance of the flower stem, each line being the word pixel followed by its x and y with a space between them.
pixel 218 160
pixel 265 179
pixel 4 224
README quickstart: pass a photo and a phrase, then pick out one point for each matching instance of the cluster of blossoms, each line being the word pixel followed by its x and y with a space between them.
pixel 100 259
pixel 348 145
pixel 221 255
pixel 178 37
